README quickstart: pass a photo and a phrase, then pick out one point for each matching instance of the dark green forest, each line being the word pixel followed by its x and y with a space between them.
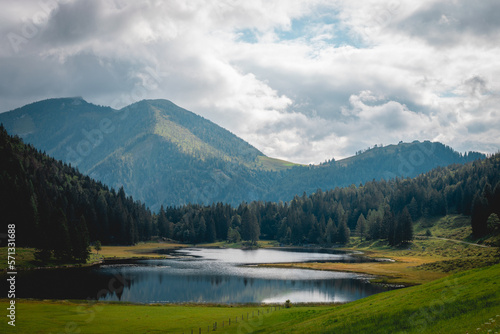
pixel 60 212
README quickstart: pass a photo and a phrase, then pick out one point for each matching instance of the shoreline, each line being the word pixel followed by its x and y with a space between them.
pixel 421 262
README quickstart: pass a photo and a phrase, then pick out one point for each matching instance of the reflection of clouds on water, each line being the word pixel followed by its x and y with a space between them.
pixel 302 297
pixel 218 276
pixel 255 256
pixel 223 279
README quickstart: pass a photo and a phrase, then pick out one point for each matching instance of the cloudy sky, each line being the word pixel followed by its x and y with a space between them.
pixel 302 80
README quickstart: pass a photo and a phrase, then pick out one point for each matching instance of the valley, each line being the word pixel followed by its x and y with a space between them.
pixel 415 232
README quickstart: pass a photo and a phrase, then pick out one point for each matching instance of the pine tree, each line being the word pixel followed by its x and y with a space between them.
pixel 162 223
pixel 331 231
pixel 479 216
pixel 250 229
pixel 405 226
pixel 343 233
pixel 202 230
pixel 361 226
pixel 211 234
pixel 80 240
pixel 62 249
pixel 389 223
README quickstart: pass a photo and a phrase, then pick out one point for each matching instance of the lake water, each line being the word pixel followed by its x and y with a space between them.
pixel 205 276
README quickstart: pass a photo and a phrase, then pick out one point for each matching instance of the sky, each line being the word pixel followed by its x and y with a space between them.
pixel 301 80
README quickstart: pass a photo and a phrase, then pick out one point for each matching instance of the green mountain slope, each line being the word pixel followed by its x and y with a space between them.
pixel 165 155
pixel 159 152
pixel 389 162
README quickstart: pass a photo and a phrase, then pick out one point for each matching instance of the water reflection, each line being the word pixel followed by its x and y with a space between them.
pixel 202 275
pixel 224 276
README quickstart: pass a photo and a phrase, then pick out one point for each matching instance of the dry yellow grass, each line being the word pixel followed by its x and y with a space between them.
pixel 140 250
pixel 402 271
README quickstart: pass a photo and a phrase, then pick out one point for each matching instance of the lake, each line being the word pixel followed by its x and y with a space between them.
pixel 203 276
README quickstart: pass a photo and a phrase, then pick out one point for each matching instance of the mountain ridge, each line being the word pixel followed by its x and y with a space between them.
pixel 163 154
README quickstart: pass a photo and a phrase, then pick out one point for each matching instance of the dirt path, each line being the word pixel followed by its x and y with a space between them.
pixel 460 241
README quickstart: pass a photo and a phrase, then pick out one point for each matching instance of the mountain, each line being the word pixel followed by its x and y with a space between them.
pixel 165 155
pixel 160 153
pixel 388 162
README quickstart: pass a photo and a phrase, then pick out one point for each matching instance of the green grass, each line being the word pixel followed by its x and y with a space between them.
pixel 463 302
pixel 272 164
pixel 451 226
pixel 24 257
pixel 89 317
pixel 456 304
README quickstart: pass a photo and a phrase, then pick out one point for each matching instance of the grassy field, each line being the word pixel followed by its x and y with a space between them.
pixel 464 302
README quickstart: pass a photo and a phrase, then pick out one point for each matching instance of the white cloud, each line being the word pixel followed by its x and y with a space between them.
pixel 300 80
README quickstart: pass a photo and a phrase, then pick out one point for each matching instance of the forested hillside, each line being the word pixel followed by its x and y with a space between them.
pixel 377 163
pixel 375 210
pixel 59 211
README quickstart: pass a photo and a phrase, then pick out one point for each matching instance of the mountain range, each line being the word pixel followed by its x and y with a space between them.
pixel 162 154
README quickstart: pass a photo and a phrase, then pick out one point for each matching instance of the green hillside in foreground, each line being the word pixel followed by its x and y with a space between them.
pixel 467 302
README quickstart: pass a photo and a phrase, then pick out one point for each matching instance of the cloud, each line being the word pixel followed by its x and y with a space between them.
pixel 446 24
pixel 301 80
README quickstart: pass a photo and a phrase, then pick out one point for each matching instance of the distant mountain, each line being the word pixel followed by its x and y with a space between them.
pixel 165 155
pixel 388 162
